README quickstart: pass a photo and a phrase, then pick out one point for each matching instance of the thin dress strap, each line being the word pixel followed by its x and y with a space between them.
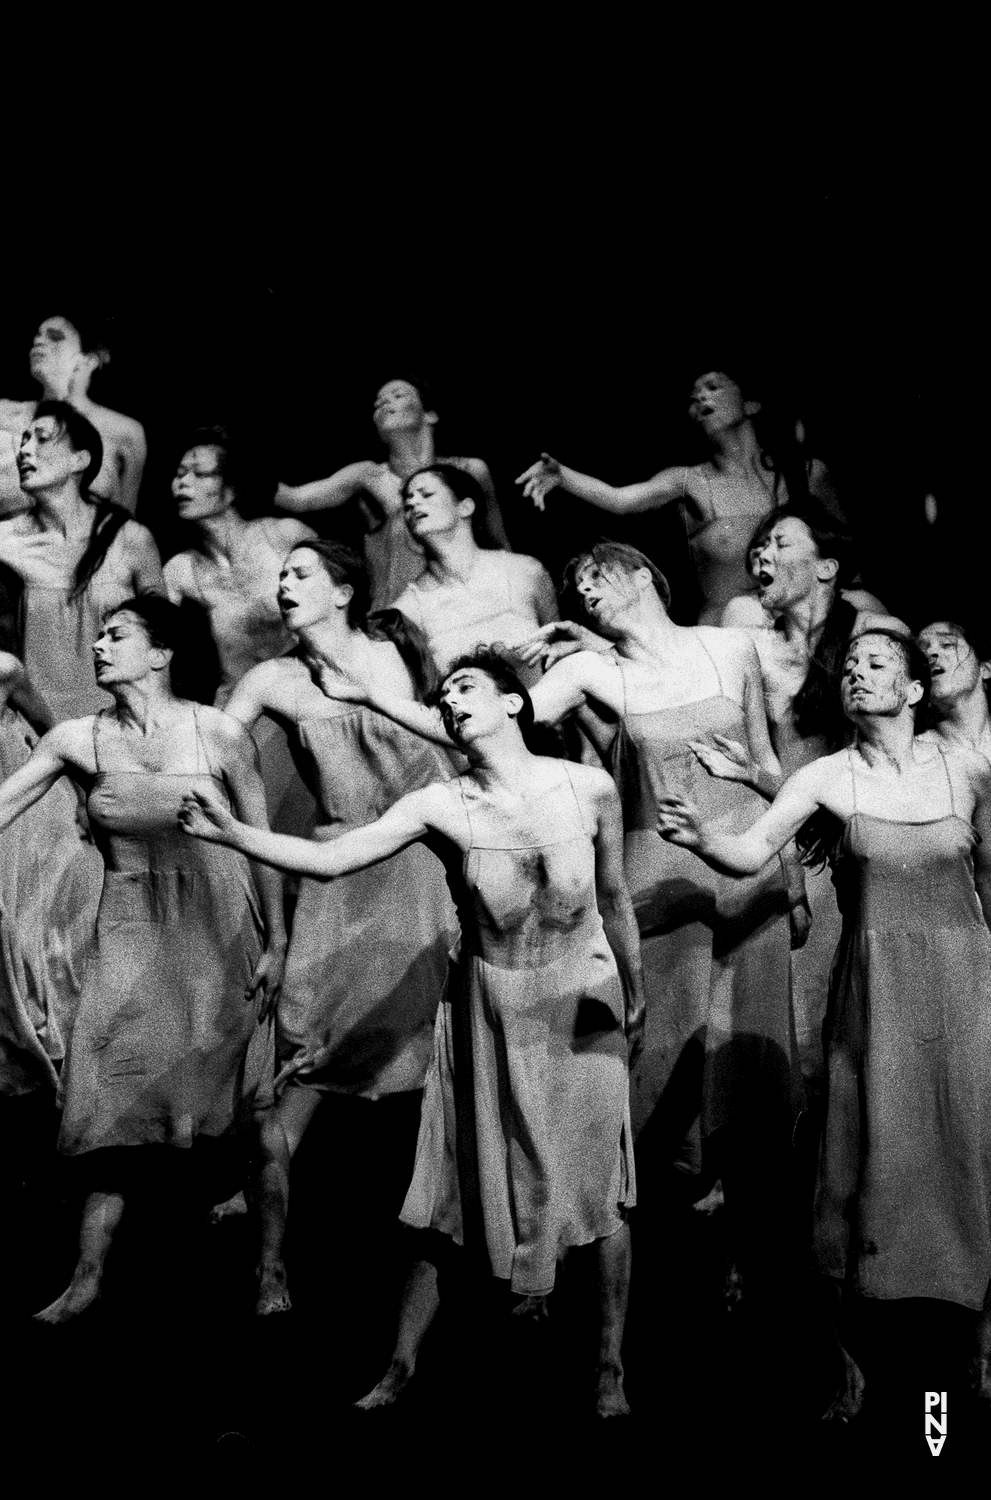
pixel 949 780
pixel 853 779
pixel 581 814
pixel 464 804
pixel 97 719
pixel 715 667
pixel 201 744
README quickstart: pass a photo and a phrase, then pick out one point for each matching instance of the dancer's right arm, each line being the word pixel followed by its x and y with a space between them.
pixel 626 499
pixel 204 816
pixel 51 758
pixel 326 494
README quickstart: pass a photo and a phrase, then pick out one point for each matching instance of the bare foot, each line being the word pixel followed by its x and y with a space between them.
pixel 610 1398
pixel 395 1380
pixel 236 1205
pixel 273 1294
pixel 80 1294
pixel 849 1398
pixel 712 1201
pixel 532 1307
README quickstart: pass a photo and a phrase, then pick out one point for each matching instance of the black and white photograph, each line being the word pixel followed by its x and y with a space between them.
pixel 495 810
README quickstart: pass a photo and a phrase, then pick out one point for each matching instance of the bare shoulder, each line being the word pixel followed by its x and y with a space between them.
pixel 819 778
pixel 223 731
pixel 286 531
pixel 594 783
pixel 745 613
pixel 72 741
pixel 136 538
pixel 14 412
pixel 728 644
pixel 529 571
pixel 178 573
pixel 971 764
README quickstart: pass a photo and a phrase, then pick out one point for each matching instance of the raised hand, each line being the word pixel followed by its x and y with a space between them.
pixel 204 815
pixel 551 642
pixel 334 682
pixel 540 479
pixel 730 761
pixel 679 822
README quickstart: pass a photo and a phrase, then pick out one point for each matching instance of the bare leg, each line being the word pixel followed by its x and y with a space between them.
pixel 984 1350
pixel 294 1110
pixel 268 1193
pixel 849 1399
pixel 416 1313
pixel 101 1216
pixel 614 1258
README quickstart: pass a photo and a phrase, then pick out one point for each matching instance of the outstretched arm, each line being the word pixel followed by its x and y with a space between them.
pixel 547 474
pixel 326 494
pixel 204 815
pixel 134 452
pixel 29 783
pixel 616 910
pixel 744 853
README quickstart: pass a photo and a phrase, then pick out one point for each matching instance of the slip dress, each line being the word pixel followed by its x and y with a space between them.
pixel 165 1047
pixel 903 1202
pixel 525 1146
pixel 720 1036
pixel 718 543
pixel 367 960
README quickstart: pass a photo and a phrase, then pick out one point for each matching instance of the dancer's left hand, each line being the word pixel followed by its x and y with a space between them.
pixel 265 983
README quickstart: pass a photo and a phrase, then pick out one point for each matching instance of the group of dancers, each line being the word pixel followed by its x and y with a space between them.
pixel 610 890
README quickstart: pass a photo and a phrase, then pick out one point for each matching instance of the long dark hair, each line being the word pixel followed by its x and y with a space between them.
pixel 463 486
pixel 108 518
pixel 166 626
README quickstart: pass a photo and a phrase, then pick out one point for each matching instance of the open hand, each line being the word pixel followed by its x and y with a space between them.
pixel 540 479
pixel 205 816
pixel 728 760
pixel 679 822
pixel 334 682
pixel 560 638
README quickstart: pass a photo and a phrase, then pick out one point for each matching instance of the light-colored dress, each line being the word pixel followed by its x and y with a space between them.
pixel 165 1045
pixel 720 1036
pixel 718 541
pixel 525 1144
pixel 903 1204
pixel 46 920
pixel 367 960
pixel 485 610
pixel 57 634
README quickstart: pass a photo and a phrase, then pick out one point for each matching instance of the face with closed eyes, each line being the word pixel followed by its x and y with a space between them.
pixel 198 487
pixel 875 679
pixel 307 593
pixel 787 565
pixel 46 458
pixel 430 508
pixel 473 706
pixel 398 407
pixel 954 664
pixel 56 356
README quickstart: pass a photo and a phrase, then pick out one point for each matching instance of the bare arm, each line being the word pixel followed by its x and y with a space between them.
pixel 566 686
pixel 134 451
pixel 326 494
pixel 755 716
pixel 204 815
pixel 616 909
pixel 143 560
pixel 50 759
pixel 744 853
pixel 547 474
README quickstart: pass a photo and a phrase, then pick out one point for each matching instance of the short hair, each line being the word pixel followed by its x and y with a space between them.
pixel 913 658
pixel 81 433
pixel 609 554
pixel 239 468
pixel 344 566
pixel 829 538
pixel 494 664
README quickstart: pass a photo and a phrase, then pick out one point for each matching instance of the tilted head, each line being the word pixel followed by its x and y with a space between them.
pixel 955 662
pixel 321 579
pixel 58 443
pixel 138 638
pixel 883 674
pixel 480 693
pixel 64 350
pixel 796 550
pixel 440 499
pixel 403 405
pixel 606 581
pixel 218 471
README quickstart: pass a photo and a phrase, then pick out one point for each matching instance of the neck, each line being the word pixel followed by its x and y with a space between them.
pixel 332 638
pixel 452 555
pixel 409 451
pixel 143 705
pixel 887 739
pixel 804 620
pixel 647 631
pixel 217 536
pixel 965 719
pixel 502 761
pixel 737 446
pixel 62 509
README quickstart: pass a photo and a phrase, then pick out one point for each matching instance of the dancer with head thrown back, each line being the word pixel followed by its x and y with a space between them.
pixel 231 572
pixel 721 500
pixel 466 595
pixel 367 961
pixel 718 1078
pixel 65 354
pixel 524 1142
pixel 958 695
pixel 173 1039
pixel 905 1169
pixel 404 420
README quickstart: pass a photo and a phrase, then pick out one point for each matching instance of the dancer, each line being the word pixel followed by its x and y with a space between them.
pixel 905 1170
pixel 524 1141
pixel 64 358
pixel 405 422
pixel 368 957
pixel 231 572
pixel 173 1038
pixel 466 595
pixel 721 500
pixel 75 556
pixel 958 703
